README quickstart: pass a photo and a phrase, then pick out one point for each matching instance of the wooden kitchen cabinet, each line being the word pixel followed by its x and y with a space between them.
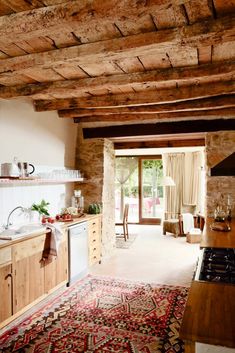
pixel 6 283
pixel 56 271
pixel 94 240
pixel 28 272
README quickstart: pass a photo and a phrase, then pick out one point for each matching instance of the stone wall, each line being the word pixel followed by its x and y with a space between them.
pixel 96 159
pixel 219 145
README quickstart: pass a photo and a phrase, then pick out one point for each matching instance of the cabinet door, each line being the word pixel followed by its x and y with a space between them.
pixel 6 283
pixel 94 236
pixel 56 271
pixel 28 272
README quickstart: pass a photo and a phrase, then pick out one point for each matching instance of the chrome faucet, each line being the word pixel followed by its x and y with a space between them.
pixel 8 218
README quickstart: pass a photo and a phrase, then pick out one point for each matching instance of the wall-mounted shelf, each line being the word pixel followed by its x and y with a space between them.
pixel 31 181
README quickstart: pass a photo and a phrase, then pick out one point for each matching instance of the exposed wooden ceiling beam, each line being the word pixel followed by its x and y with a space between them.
pixel 160 128
pixel 171 116
pixel 159 143
pixel 226 101
pixel 73 87
pixel 204 33
pixel 79 15
pixel 139 98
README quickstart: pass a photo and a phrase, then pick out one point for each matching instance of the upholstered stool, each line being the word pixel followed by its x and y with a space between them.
pixel 172 226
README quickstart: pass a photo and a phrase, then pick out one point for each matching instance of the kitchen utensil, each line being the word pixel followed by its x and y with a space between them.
pixel 24 169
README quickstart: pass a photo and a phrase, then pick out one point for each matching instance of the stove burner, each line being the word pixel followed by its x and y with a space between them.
pixel 218 265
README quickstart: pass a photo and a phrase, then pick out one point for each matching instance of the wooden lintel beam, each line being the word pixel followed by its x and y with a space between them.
pixel 215 103
pixel 159 143
pixel 161 128
pixel 75 15
pixel 139 98
pixel 204 33
pixel 171 116
pixel 170 75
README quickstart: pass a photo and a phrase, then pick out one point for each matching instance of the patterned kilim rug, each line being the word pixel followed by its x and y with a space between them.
pixel 103 315
pixel 122 244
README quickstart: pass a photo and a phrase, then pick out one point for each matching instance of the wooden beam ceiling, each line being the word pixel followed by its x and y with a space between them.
pixel 204 33
pixel 69 88
pixel 160 128
pixel 160 143
pixel 139 98
pixel 76 15
pixel 215 103
pixel 123 61
pixel 171 116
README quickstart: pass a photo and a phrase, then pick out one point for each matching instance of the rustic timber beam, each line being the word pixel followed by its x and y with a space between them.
pixel 159 143
pixel 199 34
pixel 215 103
pixel 170 75
pixel 204 114
pixel 139 98
pixel 80 15
pixel 161 128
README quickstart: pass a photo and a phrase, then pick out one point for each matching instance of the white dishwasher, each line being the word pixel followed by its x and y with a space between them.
pixel 78 251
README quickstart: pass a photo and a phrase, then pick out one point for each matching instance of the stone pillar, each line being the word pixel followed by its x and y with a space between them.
pixel 219 145
pixel 96 159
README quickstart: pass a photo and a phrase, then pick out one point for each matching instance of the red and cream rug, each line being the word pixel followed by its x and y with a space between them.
pixel 102 314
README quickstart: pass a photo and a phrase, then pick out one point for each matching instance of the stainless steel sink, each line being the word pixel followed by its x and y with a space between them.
pixel 22 231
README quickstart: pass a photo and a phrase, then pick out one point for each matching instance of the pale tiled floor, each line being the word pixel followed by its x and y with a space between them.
pixel 153 257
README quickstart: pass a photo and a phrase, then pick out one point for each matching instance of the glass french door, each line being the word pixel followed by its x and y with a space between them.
pixel 150 190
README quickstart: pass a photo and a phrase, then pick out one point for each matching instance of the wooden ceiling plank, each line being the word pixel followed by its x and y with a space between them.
pixel 205 33
pixel 159 144
pixel 19 5
pixel 75 14
pixel 140 98
pixel 212 71
pixel 204 55
pixel 161 128
pixel 195 105
pixel 4 9
pixel 170 116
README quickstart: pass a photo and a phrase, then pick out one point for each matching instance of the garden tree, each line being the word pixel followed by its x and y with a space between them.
pixel 125 166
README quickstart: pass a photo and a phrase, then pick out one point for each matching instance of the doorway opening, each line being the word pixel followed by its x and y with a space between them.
pixel 138 183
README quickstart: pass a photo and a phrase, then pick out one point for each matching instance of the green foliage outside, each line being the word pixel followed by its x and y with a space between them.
pixel 127 168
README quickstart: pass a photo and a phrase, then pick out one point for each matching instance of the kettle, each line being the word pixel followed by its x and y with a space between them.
pixel 23 168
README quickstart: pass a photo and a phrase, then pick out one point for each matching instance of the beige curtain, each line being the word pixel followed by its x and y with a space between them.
pixel 173 166
pixel 192 178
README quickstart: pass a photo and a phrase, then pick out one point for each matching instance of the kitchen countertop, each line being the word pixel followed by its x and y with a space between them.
pixel 210 308
pixel 86 217
pixel 217 239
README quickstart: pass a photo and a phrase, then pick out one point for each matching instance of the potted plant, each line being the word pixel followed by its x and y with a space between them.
pixel 41 208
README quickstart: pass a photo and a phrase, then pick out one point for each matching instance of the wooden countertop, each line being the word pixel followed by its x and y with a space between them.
pixel 209 315
pixel 86 217
pixel 218 239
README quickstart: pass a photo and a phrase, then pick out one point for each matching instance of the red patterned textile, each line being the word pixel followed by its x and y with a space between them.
pixel 103 315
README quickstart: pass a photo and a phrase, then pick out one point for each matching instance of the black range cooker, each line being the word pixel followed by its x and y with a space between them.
pixel 216 265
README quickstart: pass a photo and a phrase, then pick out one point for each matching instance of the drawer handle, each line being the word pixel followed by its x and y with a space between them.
pixel 94 248
pixel 94 257
pixel 94 231
pixel 93 223
pixel 94 240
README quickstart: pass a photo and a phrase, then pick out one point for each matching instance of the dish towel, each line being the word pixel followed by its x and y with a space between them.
pixel 55 240
pixel 188 222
